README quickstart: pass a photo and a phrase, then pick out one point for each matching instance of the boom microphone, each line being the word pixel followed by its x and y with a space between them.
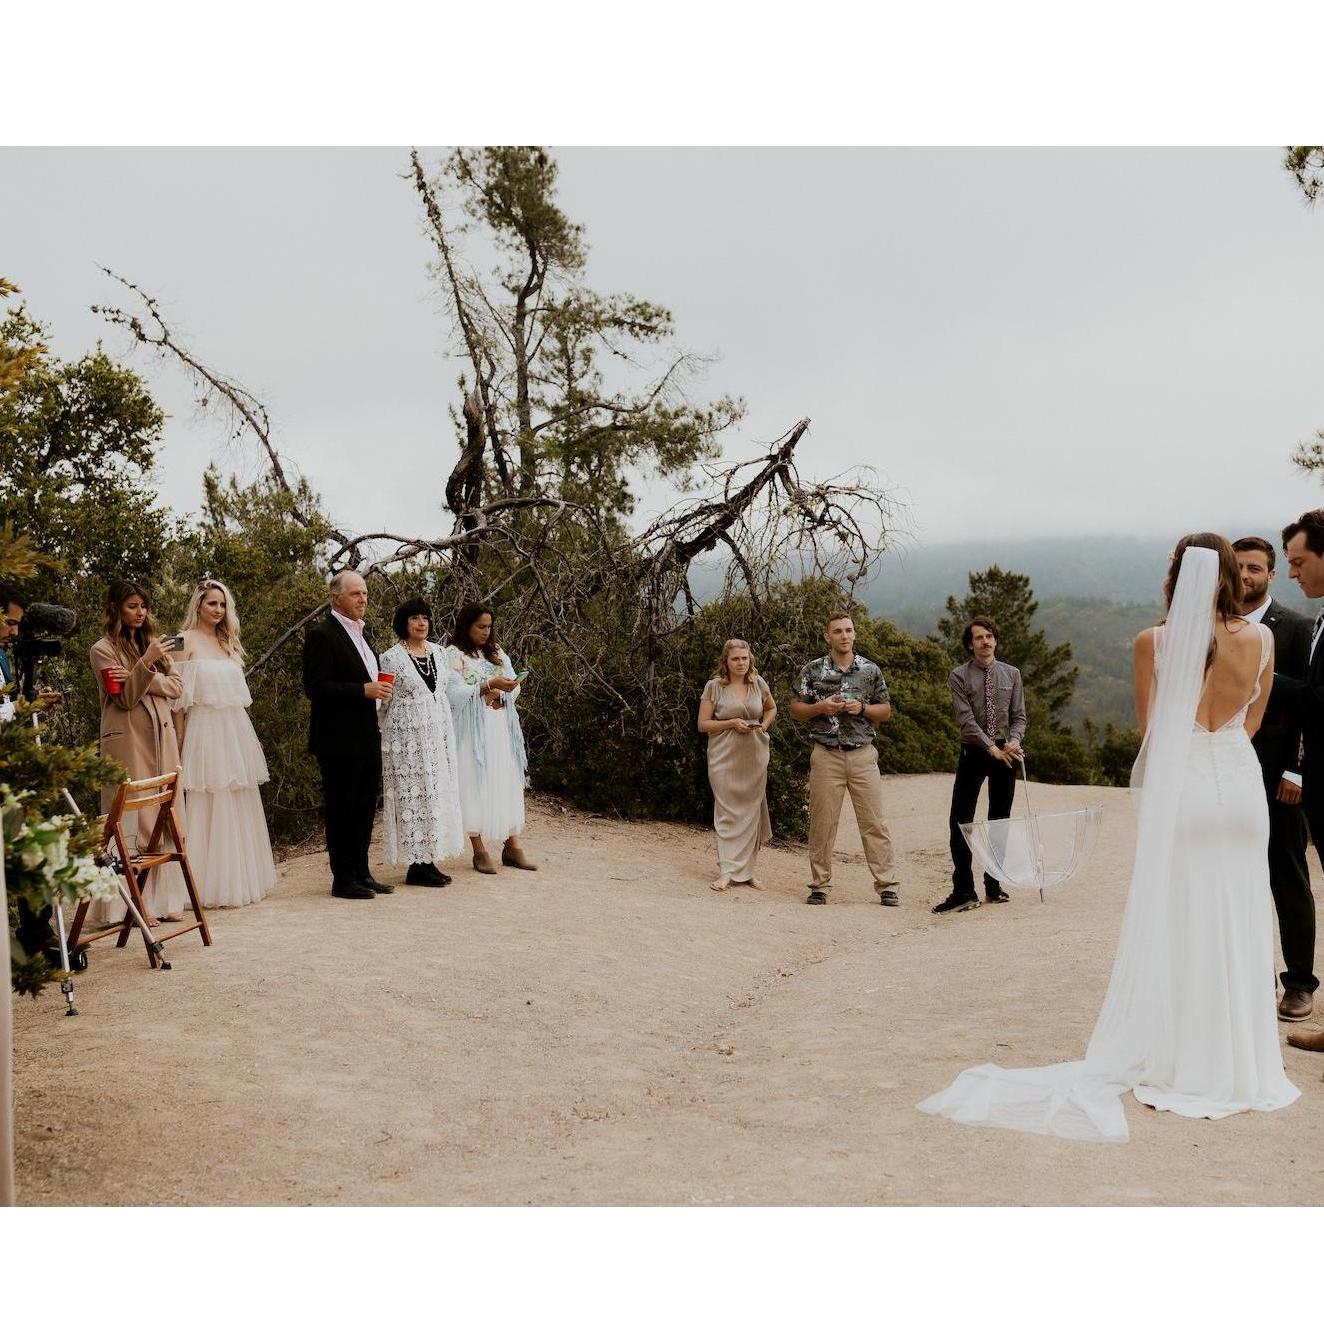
pixel 40 619
pixel 47 618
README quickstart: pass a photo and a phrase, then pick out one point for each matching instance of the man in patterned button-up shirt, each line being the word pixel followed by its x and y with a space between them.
pixel 843 697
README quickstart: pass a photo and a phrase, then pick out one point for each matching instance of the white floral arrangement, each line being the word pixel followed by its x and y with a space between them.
pixel 43 848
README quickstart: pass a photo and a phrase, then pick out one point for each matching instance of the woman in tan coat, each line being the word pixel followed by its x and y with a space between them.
pixel 137 729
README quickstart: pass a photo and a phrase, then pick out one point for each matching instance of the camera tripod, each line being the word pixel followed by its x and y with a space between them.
pixel 110 857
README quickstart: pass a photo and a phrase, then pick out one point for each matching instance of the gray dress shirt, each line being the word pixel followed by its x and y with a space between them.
pixel 967 682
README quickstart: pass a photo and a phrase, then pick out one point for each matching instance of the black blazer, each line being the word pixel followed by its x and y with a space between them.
pixel 1305 698
pixel 343 721
pixel 1278 741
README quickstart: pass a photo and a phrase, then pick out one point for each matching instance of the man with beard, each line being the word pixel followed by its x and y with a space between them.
pixel 1277 744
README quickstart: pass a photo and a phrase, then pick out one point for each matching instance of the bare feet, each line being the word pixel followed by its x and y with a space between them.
pixel 721 884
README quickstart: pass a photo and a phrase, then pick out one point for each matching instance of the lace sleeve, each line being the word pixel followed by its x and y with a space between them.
pixel 462 686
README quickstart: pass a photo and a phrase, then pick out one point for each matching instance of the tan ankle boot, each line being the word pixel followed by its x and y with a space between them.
pixel 515 858
pixel 483 862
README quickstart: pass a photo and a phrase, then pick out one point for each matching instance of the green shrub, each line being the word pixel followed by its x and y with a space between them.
pixel 596 751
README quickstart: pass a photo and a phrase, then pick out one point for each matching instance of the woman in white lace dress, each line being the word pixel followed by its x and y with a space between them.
pixel 483 688
pixel 225 826
pixel 421 819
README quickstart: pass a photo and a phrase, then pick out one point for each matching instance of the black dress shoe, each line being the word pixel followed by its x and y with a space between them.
pixel 352 891
pixel 380 888
pixel 437 873
pixel 423 875
pixel 956 902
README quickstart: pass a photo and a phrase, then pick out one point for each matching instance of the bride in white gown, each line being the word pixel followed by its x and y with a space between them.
pixel 1189 1023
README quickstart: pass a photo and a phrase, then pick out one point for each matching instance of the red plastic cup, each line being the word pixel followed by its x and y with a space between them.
pixel 112 686
pixel 386 677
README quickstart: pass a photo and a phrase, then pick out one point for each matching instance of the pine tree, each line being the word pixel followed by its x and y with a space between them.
pixel 1053 751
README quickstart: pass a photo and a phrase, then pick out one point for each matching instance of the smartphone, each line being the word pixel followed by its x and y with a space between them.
pixel 174 643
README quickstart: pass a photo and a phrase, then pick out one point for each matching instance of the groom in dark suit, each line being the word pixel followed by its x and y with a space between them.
pixel 340 678
pixel 1277 745
pixel 1303 545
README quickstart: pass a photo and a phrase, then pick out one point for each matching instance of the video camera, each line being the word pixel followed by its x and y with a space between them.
pixel 41 635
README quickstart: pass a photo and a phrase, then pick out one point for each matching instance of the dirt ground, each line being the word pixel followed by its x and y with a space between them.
pixel 609 1031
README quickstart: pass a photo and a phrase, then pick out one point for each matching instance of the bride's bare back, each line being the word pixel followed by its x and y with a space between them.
pixel 1230 683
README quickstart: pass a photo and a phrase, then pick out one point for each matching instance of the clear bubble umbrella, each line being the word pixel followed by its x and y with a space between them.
pixel 1037 851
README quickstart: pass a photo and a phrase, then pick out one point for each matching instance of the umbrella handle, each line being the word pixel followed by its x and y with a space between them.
pixel 1031 821
pixel 1025 778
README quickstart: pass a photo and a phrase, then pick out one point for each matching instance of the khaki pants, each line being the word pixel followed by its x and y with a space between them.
pixel 832 772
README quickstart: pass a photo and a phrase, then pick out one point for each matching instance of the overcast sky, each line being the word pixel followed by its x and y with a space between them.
pixel 1037 341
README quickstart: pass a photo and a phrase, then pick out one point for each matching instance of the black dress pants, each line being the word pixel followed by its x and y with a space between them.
pixel 1289 881
pixel 972 769
pixel 349 803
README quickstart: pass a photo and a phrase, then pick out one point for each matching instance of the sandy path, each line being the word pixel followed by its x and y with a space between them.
pixel 609 1031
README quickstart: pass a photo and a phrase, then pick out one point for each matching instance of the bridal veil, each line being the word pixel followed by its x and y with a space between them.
pixel 1136 1025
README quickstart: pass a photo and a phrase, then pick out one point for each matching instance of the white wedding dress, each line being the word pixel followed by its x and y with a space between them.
pixel 1189 1023
pixel 225 826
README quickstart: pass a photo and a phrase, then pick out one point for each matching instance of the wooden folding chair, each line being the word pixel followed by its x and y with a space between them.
pixel 130 798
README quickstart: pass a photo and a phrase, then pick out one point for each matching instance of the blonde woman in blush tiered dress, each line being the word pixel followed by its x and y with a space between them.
pixel 735 712
pixel 225 826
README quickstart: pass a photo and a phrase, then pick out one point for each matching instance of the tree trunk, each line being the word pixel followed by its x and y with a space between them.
pixel 6 1054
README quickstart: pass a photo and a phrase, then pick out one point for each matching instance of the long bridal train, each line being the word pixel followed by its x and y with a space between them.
pixel 1189 1022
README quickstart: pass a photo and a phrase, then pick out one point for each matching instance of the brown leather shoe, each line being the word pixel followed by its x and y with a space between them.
pixel 1311 1040
pixel 515 858
pixel 483 862
pixel 1295 1005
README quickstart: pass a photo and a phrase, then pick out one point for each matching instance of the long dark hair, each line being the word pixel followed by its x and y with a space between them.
pixel 469 613
pixel 1227 601
pixel 132 643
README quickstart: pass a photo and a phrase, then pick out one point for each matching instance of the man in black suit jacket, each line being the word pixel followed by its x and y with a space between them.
pixel 1303 545
pixel 1277 745
pixel 340 678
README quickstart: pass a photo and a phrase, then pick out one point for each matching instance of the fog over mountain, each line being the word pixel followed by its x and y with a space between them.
pixel 918 579
pixel 915 582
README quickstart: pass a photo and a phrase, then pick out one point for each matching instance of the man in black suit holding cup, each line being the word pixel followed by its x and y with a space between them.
pixel 341 679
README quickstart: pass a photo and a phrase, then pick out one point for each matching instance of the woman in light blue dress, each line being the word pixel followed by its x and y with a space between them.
pixel 483 688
